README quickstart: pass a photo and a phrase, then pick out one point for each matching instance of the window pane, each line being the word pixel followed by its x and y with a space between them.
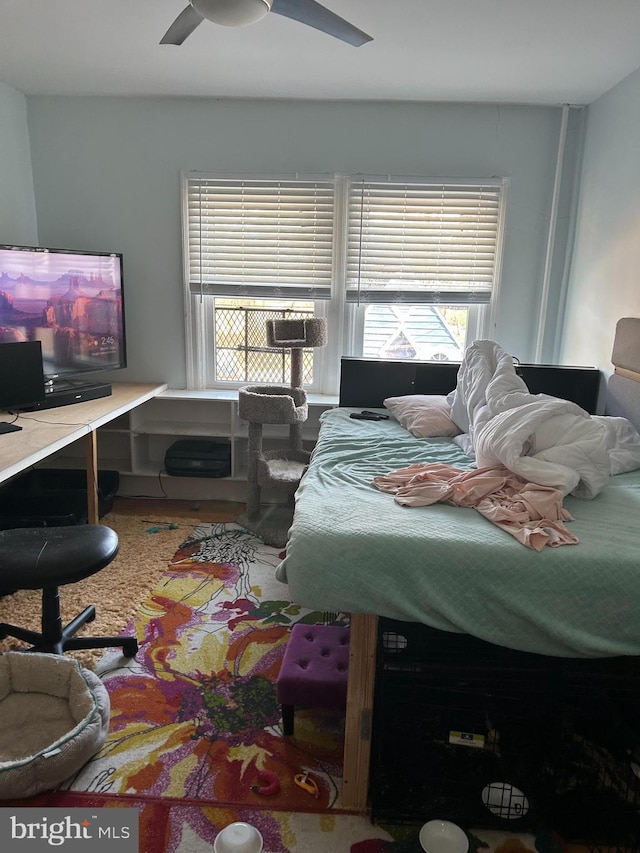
pixel 422 332
pixel 242 354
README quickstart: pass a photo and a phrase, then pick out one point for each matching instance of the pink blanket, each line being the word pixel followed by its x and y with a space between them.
pixel 532 513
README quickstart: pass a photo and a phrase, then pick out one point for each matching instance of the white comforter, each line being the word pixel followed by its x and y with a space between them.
pixel 539 438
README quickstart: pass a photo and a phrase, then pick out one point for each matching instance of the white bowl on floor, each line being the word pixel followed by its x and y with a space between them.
pixel 442 836
pixel 238 838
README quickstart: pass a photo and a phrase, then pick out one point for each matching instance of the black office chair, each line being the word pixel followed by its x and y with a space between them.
pixel 47 558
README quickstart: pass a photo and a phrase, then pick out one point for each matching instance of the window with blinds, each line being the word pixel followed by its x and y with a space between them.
pixel 260 238
pixel 422 242
pixel 400 267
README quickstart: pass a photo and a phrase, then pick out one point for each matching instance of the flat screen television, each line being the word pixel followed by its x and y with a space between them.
pixel 21 378
pixel 68 300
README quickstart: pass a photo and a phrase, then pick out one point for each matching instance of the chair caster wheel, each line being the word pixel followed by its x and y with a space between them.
pixel 130 649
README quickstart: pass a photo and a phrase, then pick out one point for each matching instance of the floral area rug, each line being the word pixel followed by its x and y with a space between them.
pixel 480 841
pixel 168 825
pixel 194 719
pixel 194 715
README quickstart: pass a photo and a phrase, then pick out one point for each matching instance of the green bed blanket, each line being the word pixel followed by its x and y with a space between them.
pixel 353 549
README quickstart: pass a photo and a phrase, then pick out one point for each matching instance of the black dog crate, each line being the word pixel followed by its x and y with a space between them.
pixel 47 497
pixel 427 653
pixel 462 755
pixel 596 795
pixel 496 739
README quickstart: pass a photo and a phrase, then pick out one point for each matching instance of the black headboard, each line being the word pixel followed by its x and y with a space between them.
pixel 366 382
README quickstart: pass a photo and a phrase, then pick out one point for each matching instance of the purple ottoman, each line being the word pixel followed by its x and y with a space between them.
pixel 314 670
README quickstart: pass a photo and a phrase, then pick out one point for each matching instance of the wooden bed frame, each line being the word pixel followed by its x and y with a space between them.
pixel 364 384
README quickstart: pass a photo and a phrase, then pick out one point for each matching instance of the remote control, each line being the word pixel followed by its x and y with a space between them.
pixel 365 416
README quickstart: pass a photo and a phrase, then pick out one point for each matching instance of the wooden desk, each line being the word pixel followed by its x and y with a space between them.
pixel 45 432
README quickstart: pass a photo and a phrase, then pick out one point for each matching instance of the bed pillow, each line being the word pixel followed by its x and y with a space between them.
pixel 424 415
pixel 623 444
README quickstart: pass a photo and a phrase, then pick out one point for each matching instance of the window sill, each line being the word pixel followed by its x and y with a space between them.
pixel 328 400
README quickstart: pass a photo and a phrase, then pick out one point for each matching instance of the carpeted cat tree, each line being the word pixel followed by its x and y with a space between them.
pixel 280 471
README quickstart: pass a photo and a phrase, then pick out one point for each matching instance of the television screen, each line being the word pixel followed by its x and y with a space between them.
pixel 69 301
pixel 21 378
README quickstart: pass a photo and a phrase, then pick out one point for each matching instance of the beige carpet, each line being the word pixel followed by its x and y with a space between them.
pixel 147 544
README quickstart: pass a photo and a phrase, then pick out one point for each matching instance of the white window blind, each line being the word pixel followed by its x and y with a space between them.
pixel 257 238
pixel 422 242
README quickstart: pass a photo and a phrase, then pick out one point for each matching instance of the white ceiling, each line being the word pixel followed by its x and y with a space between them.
pixel 518 51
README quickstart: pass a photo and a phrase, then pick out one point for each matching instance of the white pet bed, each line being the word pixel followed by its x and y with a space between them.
pixel 54 715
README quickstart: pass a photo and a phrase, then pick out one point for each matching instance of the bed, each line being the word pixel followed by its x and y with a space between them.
pixel 353 548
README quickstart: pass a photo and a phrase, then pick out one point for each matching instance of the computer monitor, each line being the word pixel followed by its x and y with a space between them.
pixel 69 300
pixel 21 378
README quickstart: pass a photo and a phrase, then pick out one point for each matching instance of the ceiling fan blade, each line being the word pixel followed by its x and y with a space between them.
pixel 314 15
pixel 183 26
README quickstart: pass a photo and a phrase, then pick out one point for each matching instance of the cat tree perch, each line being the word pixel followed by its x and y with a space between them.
pixel 278 470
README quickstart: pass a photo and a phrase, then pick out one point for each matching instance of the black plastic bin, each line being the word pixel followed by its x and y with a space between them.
pixel 48 497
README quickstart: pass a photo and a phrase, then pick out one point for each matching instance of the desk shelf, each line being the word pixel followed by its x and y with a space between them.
pixel 181 428
pixel 136 442
pixel 68 437
pixel 134 428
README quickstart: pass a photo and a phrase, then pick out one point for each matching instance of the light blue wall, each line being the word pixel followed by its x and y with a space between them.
pixel 17 202
pixel 604 284
pixel 106 174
